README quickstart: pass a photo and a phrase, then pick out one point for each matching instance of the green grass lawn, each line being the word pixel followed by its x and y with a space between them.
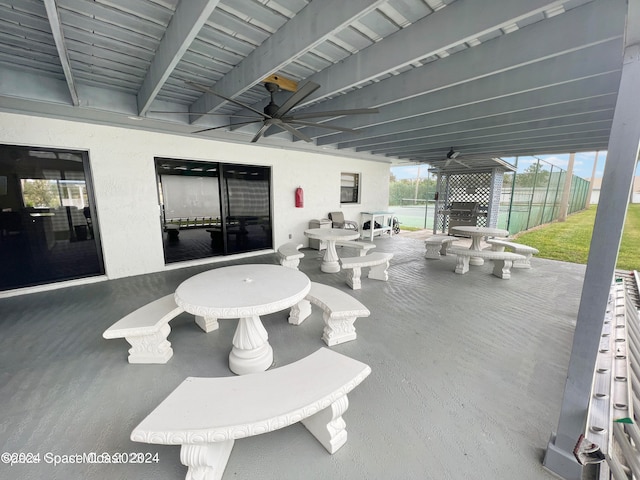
pixel 569 241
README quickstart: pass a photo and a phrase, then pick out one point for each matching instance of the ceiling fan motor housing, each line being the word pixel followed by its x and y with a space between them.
pixel 271 108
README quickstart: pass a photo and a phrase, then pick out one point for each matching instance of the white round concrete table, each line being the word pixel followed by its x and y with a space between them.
pixel 330 262
pixel 244 292
pixel 476 234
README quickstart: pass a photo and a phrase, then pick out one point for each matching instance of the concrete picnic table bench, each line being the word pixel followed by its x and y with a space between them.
pixel 502 261
pixel 499 245
pixel 206 415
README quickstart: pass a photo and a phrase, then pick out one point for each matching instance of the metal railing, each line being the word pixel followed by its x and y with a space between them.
pixel 612 420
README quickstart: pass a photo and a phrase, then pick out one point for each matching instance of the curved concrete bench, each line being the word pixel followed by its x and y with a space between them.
pixel 502 261
pixel 147 329
pixel 437 245
pixel 340 312
pixel 526 250
pixel 378 261
pixel 206 415
pixel 361 247
pixel 290 255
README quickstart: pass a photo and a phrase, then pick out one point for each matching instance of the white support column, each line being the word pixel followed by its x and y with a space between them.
pixel 497 178
pixel 566 190
pixel 437 203
pixel 593 179
pixel 617 182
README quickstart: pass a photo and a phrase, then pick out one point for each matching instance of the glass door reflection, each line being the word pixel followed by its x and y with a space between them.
pixel 190 205
pixel 247 201
pixel 46 212
pixel 210 209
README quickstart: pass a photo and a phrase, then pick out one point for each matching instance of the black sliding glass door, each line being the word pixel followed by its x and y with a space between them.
pixel 48 228
pixel 212 209
pixel 247 203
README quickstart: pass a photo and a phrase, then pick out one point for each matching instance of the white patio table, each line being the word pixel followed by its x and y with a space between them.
pixel 244 292
pixel 330 262
pixel 477 234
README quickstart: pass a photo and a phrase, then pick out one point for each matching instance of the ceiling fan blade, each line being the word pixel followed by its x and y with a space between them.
pixel 461 163
pixel 294 132
pixel 303 92
pixel 203 113
pixel 227 126
pixel 334 113
pixel 261 132
pixel 235 102
pixel 322 125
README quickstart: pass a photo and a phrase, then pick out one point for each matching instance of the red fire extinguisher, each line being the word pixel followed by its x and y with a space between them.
pixel 299 197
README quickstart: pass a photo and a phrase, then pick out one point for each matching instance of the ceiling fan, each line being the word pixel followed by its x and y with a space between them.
pixel 451 157
pixel 278 115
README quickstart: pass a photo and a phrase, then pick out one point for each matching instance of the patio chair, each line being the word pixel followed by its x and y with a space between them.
pixel 338 221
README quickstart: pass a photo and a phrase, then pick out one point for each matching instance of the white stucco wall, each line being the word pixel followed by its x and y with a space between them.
pixel 122 163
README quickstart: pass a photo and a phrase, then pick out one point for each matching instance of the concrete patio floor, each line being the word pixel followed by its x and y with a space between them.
pixel 467 374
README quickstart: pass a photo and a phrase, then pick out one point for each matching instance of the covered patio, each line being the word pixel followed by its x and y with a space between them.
pixel 468 369
pixel 467 374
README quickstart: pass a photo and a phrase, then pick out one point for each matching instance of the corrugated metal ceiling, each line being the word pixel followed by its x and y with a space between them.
pixel 497 78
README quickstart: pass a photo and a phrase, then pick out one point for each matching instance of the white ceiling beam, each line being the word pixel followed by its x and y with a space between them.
pixel 456 24
pixel 574 123
pixel 488 107
pixel 577 121
pixel 183 28
pixel 529 150
pixel 574 68
pixel 310 27
pixel 29 85
pixel 58 37
pixel 526 102
pixel 52 93
pixel 593 23
pixel 559 146
pixel 568 124
pixel 525 138
pixel 498 149
pixel 505 118
pixel 514 134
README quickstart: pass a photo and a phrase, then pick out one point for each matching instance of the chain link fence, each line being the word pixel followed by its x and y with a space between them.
pixel 533 194
pixel 530 196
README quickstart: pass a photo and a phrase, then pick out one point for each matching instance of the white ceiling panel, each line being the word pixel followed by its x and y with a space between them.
pixel 509 77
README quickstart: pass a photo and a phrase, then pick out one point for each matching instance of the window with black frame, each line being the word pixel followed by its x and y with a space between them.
pixel 212 209
pixel 349 187
pixel 47 228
